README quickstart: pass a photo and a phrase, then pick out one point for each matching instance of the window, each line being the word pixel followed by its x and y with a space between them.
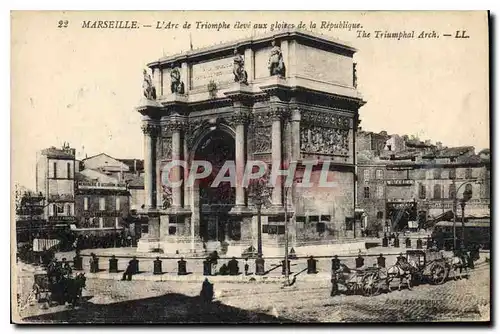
pixel 102 203
pixel 468 173
pixel 85 203
pixel 172 229
pixel 313 219
pixel 301 221
pixel 60 208
pixel 437 174
pixel 421 191
pixel 380 215
pixel 117 222
pixel 68 165
pixel 68 209
pixel 453 173
pixel 437 191
pixel 366 192
pixel 452 190
pixel 320 227
pixel 389 147
pixel 366 174
pixel 101 222
pixel 380 174
pixel 349 224
pixel 117 207
pixel 54 166
pixel 380 191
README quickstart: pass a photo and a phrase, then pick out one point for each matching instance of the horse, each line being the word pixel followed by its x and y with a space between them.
pixel 73 288
pixel 460 263
pixel 403 270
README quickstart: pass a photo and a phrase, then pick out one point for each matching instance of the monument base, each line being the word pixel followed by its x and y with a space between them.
pixel 197 248
pixel 171 247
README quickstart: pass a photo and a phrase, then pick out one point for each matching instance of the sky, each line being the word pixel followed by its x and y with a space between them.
pixel 81 85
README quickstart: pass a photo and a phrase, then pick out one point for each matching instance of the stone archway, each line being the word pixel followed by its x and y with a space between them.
pixel 214 203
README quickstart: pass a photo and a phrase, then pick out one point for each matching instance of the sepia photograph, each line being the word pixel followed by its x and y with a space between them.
pixel 187 167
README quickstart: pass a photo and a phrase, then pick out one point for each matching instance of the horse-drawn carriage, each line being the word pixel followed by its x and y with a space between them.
pixel 430 266
pixel 59 289
pixel 365 281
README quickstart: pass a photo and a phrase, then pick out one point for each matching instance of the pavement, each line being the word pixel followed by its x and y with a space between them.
pixel 113 301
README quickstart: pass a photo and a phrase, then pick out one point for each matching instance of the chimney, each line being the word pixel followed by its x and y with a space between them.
pixel 135 166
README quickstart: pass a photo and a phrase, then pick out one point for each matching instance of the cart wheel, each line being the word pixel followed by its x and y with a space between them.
pixel 371 285
pixel 438 273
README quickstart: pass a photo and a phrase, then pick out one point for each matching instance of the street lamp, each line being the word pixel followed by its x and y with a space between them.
pixel 259 192
pixel 285 204
pixel 467 196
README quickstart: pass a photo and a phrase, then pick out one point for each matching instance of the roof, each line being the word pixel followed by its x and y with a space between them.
pixel 470 159
pixel 471 223
pixel 57 153
pixel 450 152
pixel 139 164
pixel 401 155
pixel 91 175
pixel 134 181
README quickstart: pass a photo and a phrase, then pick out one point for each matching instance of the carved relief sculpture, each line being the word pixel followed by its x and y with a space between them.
pixel 324 140
pixel 166 148
pixel 240 75
pixel 149 89
pixel 176 85
pixel 354 75
pixel 262 139
pixel 261 126
pixel 166 201
pixel 276 64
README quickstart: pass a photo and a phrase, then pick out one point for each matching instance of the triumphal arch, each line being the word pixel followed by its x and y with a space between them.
pixel 286 98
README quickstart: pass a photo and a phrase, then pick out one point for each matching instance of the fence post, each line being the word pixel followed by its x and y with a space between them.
pixel 157 269
pixel 113 264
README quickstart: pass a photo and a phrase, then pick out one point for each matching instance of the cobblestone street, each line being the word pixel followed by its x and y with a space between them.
pixel 306 301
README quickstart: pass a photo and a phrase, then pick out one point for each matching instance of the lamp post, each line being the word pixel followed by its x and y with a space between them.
pixel 287 269
pixel 285 204
pixel 259 192
pixel 258 203
pixel 462 204
pixel 465 198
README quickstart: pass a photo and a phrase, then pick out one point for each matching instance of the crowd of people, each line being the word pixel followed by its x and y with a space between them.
pixel 110 240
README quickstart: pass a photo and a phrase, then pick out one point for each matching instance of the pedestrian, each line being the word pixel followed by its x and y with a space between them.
pixel 66 268
pixel 335 286
pixel 246 267
pixel 207 291
pixel 127 275
pixel 213 261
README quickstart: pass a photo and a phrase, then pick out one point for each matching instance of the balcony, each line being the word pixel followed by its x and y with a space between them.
pixel 103 186
pixel 61 198
pixel 61 218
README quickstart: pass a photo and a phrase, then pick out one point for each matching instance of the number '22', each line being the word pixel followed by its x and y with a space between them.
pixel 62 24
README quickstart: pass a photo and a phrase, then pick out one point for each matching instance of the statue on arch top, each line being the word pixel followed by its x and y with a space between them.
pixel 176 85
pixel 276 63
pixel 149 89
pixel 240 75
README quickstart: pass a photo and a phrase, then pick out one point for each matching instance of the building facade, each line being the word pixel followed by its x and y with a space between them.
pixel 55 180
pixel 281 98
pixel 101 202
pixel 408 188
